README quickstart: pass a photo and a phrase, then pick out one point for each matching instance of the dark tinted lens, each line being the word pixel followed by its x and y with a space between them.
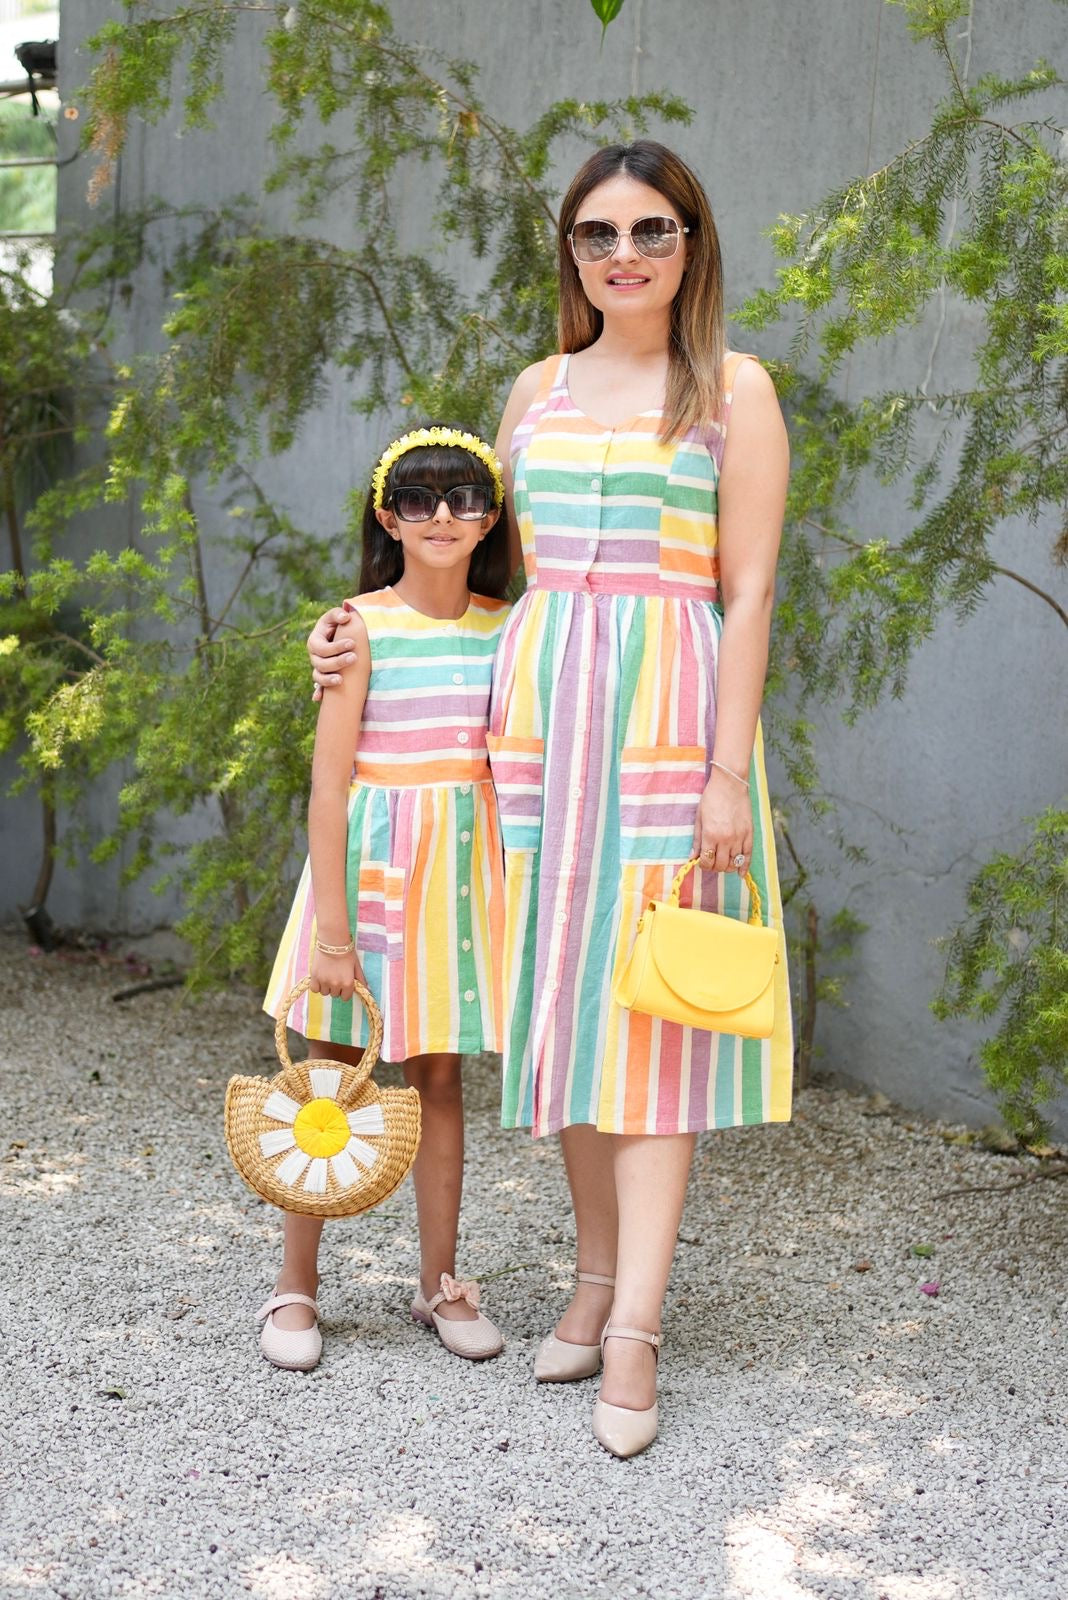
pixel 655 236
pixel 415 504
pixel 469 500
pixel 593 240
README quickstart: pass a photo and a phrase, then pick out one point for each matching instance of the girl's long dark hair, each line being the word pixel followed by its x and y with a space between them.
pixel 441 467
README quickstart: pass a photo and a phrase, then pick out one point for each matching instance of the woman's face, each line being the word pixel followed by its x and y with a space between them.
pixel 627 283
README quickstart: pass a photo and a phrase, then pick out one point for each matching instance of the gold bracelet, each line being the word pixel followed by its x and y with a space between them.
pixel 336 949
pixel 730 772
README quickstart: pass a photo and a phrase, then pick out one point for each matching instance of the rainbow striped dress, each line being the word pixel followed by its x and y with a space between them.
pixel 424 869
pixel 601 725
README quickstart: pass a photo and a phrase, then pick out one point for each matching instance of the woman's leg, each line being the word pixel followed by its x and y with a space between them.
pixel 300 1256
pixel 650 1185
pixel 438 1173
pixel 589 1163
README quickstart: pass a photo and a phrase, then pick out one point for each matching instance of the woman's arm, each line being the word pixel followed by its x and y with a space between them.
pixel 336 738
pixel 752 501
pixel 519 401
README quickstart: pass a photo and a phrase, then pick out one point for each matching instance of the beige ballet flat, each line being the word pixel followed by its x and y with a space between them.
pixel 558 1361
pixel 475 1341
pixel 622 1431
pixel 295 1349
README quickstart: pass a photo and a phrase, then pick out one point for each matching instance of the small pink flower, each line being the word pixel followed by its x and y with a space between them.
pixel 931 1288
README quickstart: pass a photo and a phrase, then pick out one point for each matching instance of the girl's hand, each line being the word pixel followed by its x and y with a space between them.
pixel 724 826
pixel 329 656
pixel 335 975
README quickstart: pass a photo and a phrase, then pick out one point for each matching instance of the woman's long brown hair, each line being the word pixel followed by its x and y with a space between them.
pixel 698 338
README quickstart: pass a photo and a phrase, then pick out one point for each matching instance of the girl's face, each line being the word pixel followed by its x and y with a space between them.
pixel 442 541
pixel 626 282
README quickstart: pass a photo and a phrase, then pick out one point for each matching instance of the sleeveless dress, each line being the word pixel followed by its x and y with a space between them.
pixel 424 872
pixel 601 726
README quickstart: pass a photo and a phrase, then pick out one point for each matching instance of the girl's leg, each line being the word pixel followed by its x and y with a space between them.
pixel 300 1257
pixel 589 1163
pixel 650 1183
pixel 438 1173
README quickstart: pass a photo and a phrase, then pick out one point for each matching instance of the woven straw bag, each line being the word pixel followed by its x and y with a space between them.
pixel 321 1138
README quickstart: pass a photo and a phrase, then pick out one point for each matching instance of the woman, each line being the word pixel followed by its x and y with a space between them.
pixel 646 473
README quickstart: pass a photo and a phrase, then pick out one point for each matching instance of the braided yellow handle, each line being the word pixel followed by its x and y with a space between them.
pixel 755 918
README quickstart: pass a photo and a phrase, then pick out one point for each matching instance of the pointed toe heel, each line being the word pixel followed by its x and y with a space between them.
pixel 558 1360
pixel 622 1431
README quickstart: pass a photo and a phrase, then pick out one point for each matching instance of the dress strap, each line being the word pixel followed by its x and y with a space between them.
pixel 731 362
pixel 552 369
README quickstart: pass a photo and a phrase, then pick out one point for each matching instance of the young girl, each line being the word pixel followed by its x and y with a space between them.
pixel 403 887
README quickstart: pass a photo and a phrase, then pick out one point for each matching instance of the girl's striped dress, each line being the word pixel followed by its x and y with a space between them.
pixel 424 870
pixel 601 727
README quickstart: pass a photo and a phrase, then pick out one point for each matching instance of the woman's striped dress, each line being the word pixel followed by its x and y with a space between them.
pixel 602 722
pixel 424 869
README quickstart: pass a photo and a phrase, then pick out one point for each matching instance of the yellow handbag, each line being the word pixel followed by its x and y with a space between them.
pixel 702 968
pixel 321 1138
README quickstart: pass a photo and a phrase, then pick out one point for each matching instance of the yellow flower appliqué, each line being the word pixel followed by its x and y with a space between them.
pixel 320 1137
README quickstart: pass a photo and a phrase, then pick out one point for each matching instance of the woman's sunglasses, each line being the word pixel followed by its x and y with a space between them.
pixel 655 237
pixel 416 502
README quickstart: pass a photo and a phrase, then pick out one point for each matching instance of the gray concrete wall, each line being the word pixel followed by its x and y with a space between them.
pixel 790 100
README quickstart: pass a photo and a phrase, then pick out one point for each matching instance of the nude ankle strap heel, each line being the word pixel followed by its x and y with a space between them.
pixel 559 1361
pixel 619 1429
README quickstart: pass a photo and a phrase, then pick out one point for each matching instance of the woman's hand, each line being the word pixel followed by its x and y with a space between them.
pixel 329 656
pixel 723 830
pixel 335 975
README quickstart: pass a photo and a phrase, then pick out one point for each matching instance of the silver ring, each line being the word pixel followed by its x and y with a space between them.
pixel 739 861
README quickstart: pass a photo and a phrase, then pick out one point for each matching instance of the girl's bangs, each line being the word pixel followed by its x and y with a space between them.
pixel 438 466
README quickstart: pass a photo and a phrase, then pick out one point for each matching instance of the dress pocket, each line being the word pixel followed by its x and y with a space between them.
pixel 518 767
pixel 660 788
pixel 380 921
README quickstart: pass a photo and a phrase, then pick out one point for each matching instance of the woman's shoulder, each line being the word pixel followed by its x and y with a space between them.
pixel 531 379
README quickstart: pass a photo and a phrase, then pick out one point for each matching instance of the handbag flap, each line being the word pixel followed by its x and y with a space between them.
pixel 712 962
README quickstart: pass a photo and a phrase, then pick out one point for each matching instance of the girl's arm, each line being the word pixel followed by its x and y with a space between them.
pixel 519 401
pixel 336 738
pixel 752 501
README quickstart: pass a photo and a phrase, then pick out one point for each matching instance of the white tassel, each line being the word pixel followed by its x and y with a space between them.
pixel 368 1119
pixel 277 1140
pixel 345 1170
pixel 315 1182
pixel 325 1082
pixel 365 1154
pixel 280 1107
pixel 289 1170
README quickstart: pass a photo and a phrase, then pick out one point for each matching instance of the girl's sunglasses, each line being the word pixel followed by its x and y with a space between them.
pixel 416 502
pixel 655 237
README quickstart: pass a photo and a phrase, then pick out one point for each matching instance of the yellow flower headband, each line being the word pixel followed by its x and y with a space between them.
pixel 423 436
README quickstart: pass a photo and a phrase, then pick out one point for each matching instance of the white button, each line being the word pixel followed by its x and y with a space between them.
pixel 450 627
pixel 585 663
pixel 595 483
pixel 561 916
pixel 569 861
pixel 465 788
pixel 457 677
pixel 465 837
pixel 464 890
pixel 462 737
pixel 576 793
pixel 552 984
pixel 467 944
pixel 591 545
pixel 469 994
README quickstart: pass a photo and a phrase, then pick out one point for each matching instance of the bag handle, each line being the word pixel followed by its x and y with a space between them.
pixel 374 1022
pixel 755 918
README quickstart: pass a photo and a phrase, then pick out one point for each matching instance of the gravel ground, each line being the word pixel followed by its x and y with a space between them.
pixel 827 1428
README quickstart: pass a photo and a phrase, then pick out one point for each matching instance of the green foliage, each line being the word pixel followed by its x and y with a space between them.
pixel 27 194
pixel 188 672
pixel 1008 963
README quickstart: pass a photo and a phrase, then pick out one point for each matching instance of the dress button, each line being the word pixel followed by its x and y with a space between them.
pixel 457 677
pixel 462 737
pixel 569 860
pixel 464 891
pixel 469 994
pixel 561 916
pixel 591 545
pixel 466 944
pixel 450 627
pixel 576 793
pixel 465 837
pixel 585 663
pixel 552 984
pixel 595 483
pixel 465 788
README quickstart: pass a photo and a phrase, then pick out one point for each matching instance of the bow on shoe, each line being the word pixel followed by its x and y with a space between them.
pixel 460 1289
